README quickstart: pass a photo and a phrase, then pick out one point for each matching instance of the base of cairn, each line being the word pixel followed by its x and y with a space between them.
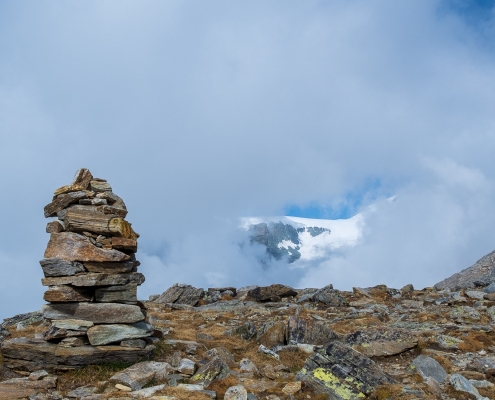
pixel 26 354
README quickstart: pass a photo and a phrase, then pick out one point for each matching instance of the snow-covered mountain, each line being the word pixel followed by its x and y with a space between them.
pixel 303 239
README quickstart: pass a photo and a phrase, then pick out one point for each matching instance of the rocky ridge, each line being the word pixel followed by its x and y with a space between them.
pixel 276 342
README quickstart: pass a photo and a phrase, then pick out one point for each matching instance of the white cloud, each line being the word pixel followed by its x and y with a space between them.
pixel 199 113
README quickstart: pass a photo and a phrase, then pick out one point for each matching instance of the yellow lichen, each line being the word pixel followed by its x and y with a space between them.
pixel 341 389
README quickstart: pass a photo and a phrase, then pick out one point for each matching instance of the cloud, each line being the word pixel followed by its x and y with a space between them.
pixel 427 233
pixel 200 113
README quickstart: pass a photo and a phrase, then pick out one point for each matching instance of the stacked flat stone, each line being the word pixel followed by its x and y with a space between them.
pixel 90 268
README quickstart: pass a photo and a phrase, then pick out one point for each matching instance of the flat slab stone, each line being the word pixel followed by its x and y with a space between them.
pixel 98 313
pixel 74 247
pixel 25 354
pixel 64 293
pixel 376 342
pixel 94 279
pixel 110 267
pixel 111 333
pixel 117 294
pixel 140 374
pixel 59 267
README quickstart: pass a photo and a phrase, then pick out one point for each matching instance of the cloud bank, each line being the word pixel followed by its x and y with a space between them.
pixel 201 113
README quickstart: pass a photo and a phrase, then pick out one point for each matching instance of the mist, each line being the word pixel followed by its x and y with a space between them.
pixel 201 113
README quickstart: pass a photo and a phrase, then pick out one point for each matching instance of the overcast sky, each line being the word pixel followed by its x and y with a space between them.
pixel 199 113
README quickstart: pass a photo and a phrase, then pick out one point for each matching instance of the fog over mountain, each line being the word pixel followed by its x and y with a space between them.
pixel 203 113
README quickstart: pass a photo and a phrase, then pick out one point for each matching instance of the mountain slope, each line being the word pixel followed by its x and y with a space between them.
pixel 303 239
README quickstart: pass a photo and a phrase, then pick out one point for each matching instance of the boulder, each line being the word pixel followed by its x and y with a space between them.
pixel 308 331
pixel 338 370
pixel 215 369
pixel 429 367
pixel 181 294
pixel 275 334
pixel 329 296
pixel 223 353
pixel 237 392
pixel 98 313
pixel 376 342
pixel 110 333
pixel 462 384
pixel 246 331
pixel 140 374
pixel 270 293
pixel 74 247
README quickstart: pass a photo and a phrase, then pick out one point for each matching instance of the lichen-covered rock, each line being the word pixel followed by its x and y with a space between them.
pixel 215 369
pixel 383 341
pixel 308 331
pixel 342 373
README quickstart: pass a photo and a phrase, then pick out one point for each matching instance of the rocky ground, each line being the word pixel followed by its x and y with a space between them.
pixel 279 343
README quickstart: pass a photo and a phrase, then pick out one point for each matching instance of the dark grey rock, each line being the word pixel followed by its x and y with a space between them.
pixel 481 273
pixel 246 331
pixel 329 296
pixel 309 331
pixel 23 319
pixel 429 367
pixel 58 267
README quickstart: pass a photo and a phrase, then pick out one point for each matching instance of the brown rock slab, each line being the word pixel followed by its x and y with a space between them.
pixel 98 313
pixel 121 243
pixel 54 227
pixel 23 354
pixel 9 392
pixel 270 293
pixel 62 201
pixel 93 219
pixel 64 293
pixel 275 335
pixel 73 247
pixel 94 279
pixel 82 177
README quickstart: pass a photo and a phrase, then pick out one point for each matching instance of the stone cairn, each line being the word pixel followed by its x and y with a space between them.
pixel 91 273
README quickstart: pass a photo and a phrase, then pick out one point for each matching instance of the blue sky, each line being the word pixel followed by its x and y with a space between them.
pixel 201 113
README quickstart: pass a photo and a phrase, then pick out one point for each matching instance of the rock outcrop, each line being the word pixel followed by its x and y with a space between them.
pixel 480 274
